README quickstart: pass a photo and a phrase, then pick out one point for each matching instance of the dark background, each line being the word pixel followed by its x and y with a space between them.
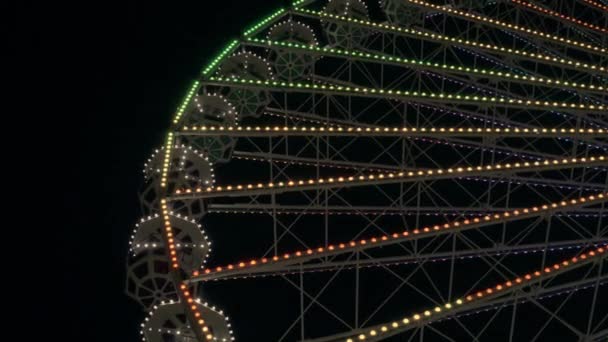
pixel 134 61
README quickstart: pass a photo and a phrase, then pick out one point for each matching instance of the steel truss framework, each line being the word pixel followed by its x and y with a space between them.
pixel 404 170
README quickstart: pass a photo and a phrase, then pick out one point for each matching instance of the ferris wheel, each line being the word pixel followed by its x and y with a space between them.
pixel 400 170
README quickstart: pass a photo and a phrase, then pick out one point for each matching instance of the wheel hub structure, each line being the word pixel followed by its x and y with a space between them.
pixel 386 170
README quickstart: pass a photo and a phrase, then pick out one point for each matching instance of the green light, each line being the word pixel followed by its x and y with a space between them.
pixel 227 50
pixel 263 22
pixel 180 109
pixel 297 3
pixel 380 57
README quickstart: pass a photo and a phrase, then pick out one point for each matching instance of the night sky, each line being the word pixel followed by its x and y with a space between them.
pixel 138 59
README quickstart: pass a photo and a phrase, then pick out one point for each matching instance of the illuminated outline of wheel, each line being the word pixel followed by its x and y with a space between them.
pixel 442 167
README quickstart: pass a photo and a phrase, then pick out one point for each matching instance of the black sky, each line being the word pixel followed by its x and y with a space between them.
pixel 134 61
